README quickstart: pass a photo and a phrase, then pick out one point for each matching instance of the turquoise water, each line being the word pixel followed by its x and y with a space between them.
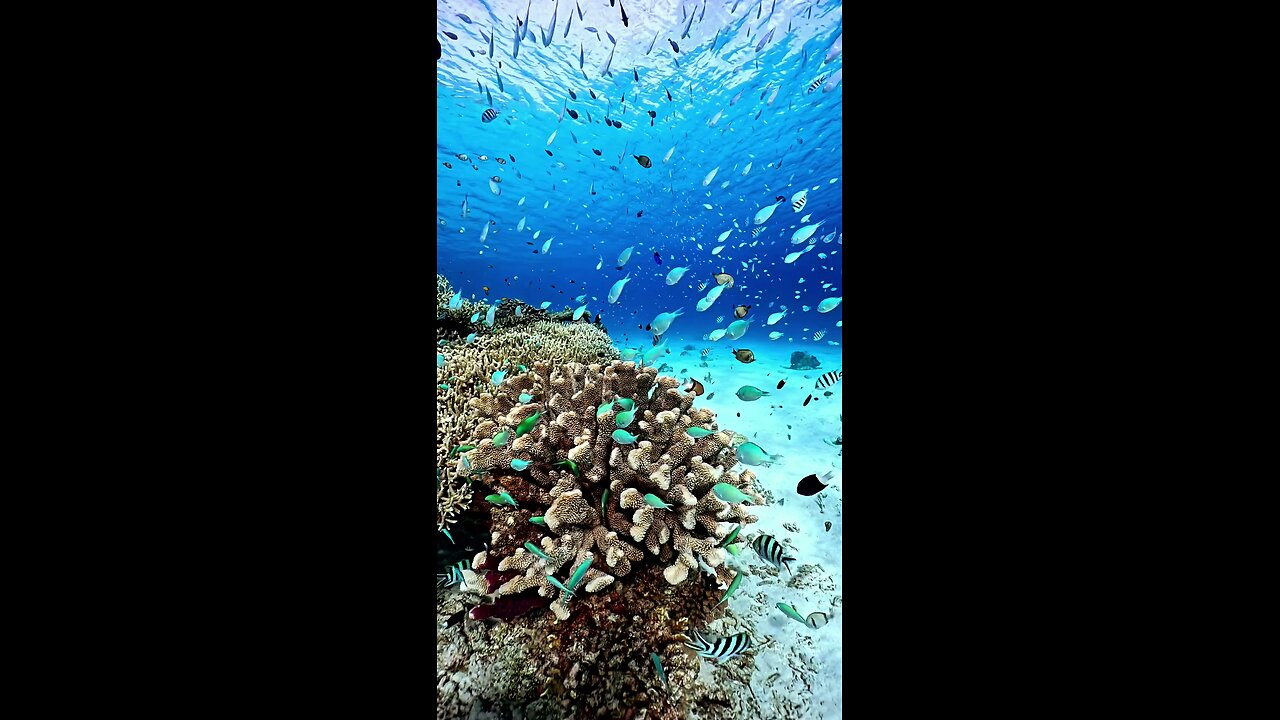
pixel 762 146
pixel 766 119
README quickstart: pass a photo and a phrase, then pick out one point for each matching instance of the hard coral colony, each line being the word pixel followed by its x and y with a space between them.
pixel 665 465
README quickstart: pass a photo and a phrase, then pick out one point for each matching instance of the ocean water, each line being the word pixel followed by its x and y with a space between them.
pixel 767 120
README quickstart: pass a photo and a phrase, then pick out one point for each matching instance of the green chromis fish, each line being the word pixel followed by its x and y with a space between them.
pixel 626 403
pixel 604 498
pixel 517 464
pixel 657 664
pixel 733 535
pixel 604 408
pixel 730 493
pixel 699 432
pixel 733 587
pixel 791 613
pixel 750 393
pixel 573 466
pixel 525 397
pixel 538 520
pixel 734 548
pixel 528 424
pixel 568 594
pixel 501 438
pixel 502 498
pixel 497 377
pixel 622 437
pixel 462 449
pixel 654 501
pixel 577 574
pixel 750 453
pixel 629 353
pixel 624 418
pixel 536 550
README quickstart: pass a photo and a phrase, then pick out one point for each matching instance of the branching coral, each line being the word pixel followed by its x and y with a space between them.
pixel 468 368
pixel 603 501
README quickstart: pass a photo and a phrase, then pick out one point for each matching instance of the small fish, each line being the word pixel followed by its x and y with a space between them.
pixel 696 388
pixel 626 403
pixel 622 437
pixel 538 520
pixel 744 356
pixel 577 574
pixel 698 432
pixel 462 449
pixel 635 73
pixel 772 552
pixel 464 18
pixel 710 395
pixel 764 40
pixel 536 550
pixel 502 498
pixel 730 493
pixel 654 501
pixel 806 400
pixel 571 465
pixel 674 46
pixel 741 311
pixel 749 453
pixel 829 379
pixel 724 648
pixel 643 160
pixel 501 438
pixel 733 587
pixel 816 83
pixel 816 620
pixel 451 35
pixel 624 418
pixel 573 114
pixel 656 257
pixel 781 383
pixel 452 574
pixel 733 535
pixel 810 484
pixel 657 664
pixel 497 376
pixel 519 465
pixel 790 612
pixel 819 335
pixel 723 279
pixel 755 232
pixel 528 424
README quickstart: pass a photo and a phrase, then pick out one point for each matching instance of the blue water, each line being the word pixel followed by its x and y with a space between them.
pixel 792 144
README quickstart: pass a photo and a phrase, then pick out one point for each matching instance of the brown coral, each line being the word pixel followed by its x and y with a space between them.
pixel 599 509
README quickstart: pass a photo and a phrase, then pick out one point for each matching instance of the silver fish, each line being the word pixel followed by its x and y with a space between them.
pixel 553 19
pixel 687 26
pixel 655 39
pixel 490 39
pixel 526 20
pixel 567 25
pixel 610 62
pixel 579 9
pixel 724 648
pixel 764 40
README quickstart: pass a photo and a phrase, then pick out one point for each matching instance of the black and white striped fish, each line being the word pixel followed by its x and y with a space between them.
pixel 488 115
pixel 755 232
pixel 720 648
pixel 816 83
pixel 772 552
pixel 798 202
pixel 816 620
pixel 452 575
pixel 829 379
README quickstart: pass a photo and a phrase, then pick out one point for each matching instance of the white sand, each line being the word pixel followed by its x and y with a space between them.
pixel 795 670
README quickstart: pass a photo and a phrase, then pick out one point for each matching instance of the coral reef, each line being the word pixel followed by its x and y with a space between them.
pixel 603 500
pixel 801 360
pixel 468 368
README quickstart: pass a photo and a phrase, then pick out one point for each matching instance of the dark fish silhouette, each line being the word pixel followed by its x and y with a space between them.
pixel 644 161
pixel 657 258
pixel 810 485
pixel 595 151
